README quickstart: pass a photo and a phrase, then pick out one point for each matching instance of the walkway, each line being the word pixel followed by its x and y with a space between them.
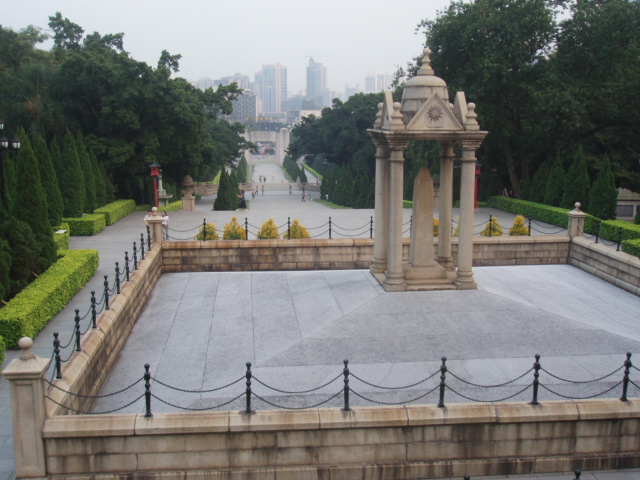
pixel 530 303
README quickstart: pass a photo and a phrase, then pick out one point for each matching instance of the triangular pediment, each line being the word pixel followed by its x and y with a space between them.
pixel 387 111
pixel 434 115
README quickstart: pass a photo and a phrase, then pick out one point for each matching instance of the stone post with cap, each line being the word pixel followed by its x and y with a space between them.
pixel 576 221
pixel 155 222
pixel 26 380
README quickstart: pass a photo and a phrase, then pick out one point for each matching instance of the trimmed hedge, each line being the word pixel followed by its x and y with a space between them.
pixel 313 172
pixel 31 309
pixel 609 229
pixel 632 247
pixel 61 239
pixel 172 207
pixel 86 225
pixel 2 349
pixel 116 210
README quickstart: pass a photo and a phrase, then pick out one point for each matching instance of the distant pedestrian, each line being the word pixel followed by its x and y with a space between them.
pixel 243 202
pixel 253 194
pixel 289 189
pixel 304 196
pixel 263 189
pixel 165 225
pixel 273 177
pixel 147 217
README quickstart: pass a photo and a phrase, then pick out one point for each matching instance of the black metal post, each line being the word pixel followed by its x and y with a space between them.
pixel 578 473
pixel 148 238
pixel 94 314
pixel 147 391
pixel 77 330
pixel 141 247
pixel 529 233
pixel 410 224
pixel 345 372
pixel 467 477
pixel 106 292
pixel 288 228
pixel 117 278
pixel 135 256
pixel 204 229
pixel 490 225
pixel 126 265
pixel 247 409
pixel 598 231
pixel 56 353
pixel 443 376
pixel 329 228
pixel 246 228
pixel 371 228
pixel 536 375
pixel 625 379
pixel 619 239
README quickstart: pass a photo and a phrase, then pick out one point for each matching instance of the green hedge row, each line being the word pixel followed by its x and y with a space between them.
pixel 90 224
pixel 31 309
pixel 116 210
pixel 316 174
pixel 632 247
pixel 608 229
pixel 61 239
pixel 2 349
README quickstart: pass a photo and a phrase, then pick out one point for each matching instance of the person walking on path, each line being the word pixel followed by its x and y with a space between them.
pixel 165 225
pixel 289 189
pixel 243 202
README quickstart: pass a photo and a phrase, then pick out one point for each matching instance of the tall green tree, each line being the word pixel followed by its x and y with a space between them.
pixel 539 184
pixel 49 181
pixel 576 183
pixel 603 200
pixel 71 179
pixel 555 184
pixel 24 252
pixel 87 173
pixel 100 179
pixel 30 205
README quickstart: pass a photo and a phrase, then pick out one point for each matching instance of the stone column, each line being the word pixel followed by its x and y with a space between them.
pixel 394 279
pixel 576 221
pixel 446 207
pixel 381 219
pixel 25 376
pixel 155 222
pixel 188 203
pixel 464 275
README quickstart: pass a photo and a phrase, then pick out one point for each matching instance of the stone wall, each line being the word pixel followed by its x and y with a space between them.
pixel 343 253
pixel 618 268
pixel 86 371
pixel 416 441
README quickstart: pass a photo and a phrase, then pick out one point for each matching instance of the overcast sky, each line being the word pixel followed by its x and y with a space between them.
pixel 218 38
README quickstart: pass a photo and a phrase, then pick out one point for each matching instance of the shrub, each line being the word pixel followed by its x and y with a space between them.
pixel 116 210
pixel 632 247
pixel 86 225
pixel 269 230
pixel 61 239
pixel 604 194
pixel 492 229
pixel 296 231
pixel 29 311
pixel 173 206
pixel 436 227
pixel 544 213
pixel 211 233
pixel 577 183
pixel 2 349
pixel 234 231
pixel 519 227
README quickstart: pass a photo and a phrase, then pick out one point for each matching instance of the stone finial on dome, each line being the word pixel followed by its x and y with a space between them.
pixel 426 69
pixel 378 122
pixel 470 121
pixel 396 117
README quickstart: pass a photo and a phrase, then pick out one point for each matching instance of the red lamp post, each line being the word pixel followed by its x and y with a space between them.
pixel 478 173
pixel 155 173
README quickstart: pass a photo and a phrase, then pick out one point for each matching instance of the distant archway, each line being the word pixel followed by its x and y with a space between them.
pixel 279 139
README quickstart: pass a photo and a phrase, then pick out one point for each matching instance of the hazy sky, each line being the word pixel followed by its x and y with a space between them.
pixel 218 38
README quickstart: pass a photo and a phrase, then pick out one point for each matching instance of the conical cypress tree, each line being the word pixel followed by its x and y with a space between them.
pixel 576 183
pixel 24 252
pixel 539 184
pixel 555 184
pixel 525 190
pixel 87 171
pixel 603 199
pixel 222 199
pixel 49 181
pixel 110 189
pixel 30 205
pixel 71 179
pixel 5 267
pixel 234 191
pixel 101 188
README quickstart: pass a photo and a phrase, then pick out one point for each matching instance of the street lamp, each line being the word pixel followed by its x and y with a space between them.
pixel 155 173
pixel 4 147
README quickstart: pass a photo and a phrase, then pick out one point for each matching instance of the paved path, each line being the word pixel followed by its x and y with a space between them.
pixel 531 302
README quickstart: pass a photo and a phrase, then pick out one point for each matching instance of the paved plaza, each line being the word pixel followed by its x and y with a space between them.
pixel 199 329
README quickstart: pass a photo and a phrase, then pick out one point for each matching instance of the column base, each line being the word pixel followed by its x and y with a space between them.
pixel 188 204
pixel 465 281
pixel 428 278
pixel 378 266
pixel 447 263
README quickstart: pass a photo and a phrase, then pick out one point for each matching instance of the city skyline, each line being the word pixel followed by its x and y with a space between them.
pixel 218 39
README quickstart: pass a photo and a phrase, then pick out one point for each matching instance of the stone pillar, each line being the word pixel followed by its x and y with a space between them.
pixel 381 219
pixel 446 207
pixel 394 278
pixel 25 376
pixel 421 249
pixel 155 222
pixel 576 221
pixel 188 203
pixel 464 275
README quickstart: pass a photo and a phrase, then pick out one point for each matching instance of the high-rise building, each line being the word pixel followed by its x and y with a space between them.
pixel 377 82
pixel 273 87
pixel 317 90
pixel 244 108
pixel 241 80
